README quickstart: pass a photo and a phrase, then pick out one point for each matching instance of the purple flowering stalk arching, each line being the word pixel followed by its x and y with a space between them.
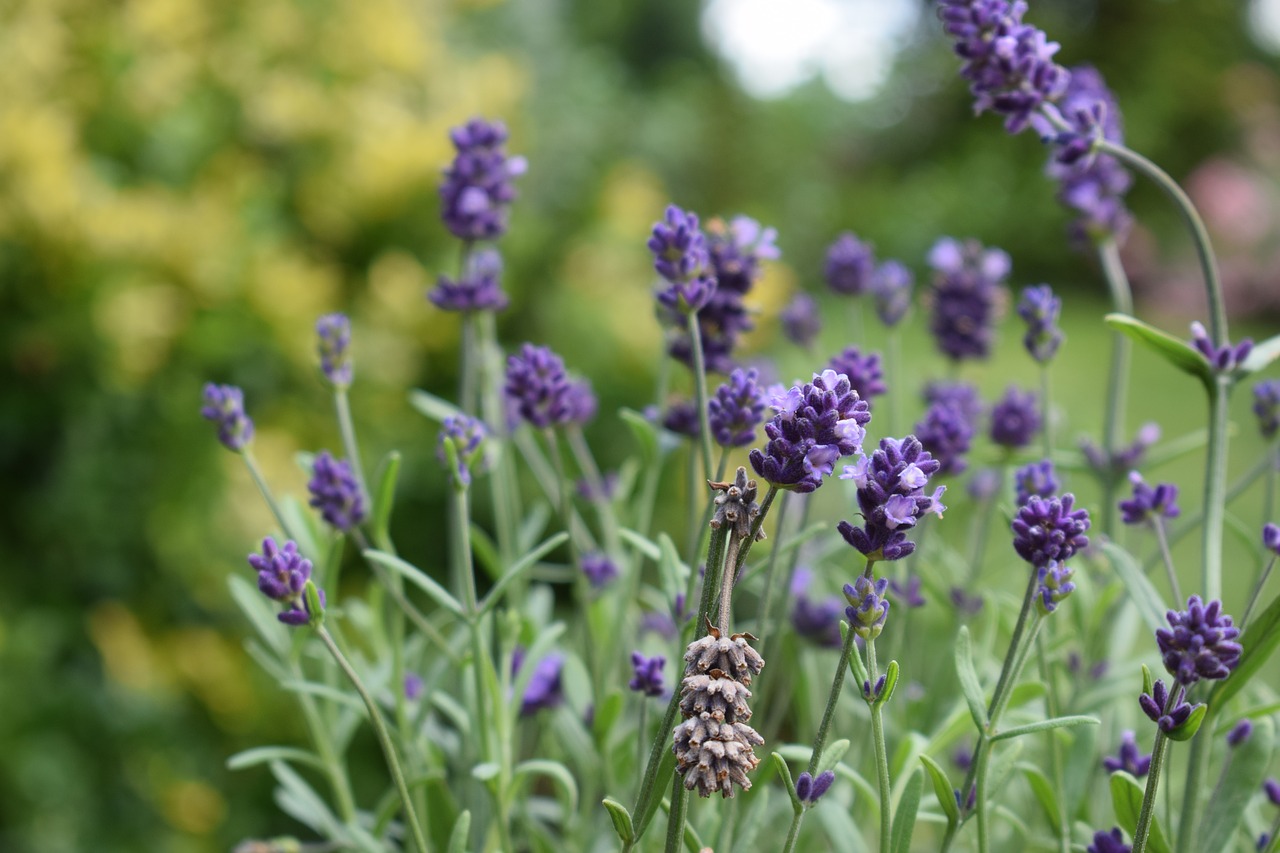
pixel 1167 710
pixel 868 607
pixel 464 435
pixel 224 405
pixel 282 576
pixel 891 286
pixel 599 569
pixel 1128 758
pixel 335 492
pixel 850 265
pixel 647 674
pixel 477 191
pixel 809 789
pixel 333 342
pixel 1225 358
pixel 864 372
pixel 966 296
pixel 1266 405
pixel 1008 63
pixel 1039 309
pixel 816 423
pixel 538 385
pixel 1015 419
pixel 891 495
pixel 800 320
pixel 1149 503
pixel 1108 842
pixel 1036 478
pixel 1200 642
pixel 477 289
pixel 736 409
pixel 1050 529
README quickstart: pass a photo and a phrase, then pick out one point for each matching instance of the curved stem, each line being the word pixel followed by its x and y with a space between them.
pixel 384 739
pixel 1054 707
pixel 676 817
pixel 255 472
pixel 833 698
pixel 1257 591
pixel 1215 489
pixel 1117 376
pixel 700 386
pixel 766 609
pixel 349 445
pixel 1158 524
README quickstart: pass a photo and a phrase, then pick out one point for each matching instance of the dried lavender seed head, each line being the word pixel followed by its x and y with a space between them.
pixel 736 506
pixel 333 334
pixel 731 655
pixel 713 756
pixel 1200 642
pixel 224 405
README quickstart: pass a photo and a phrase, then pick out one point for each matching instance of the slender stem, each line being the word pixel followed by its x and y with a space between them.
pixel 982 528
pixel 857 333
pixel 1274 844
pixel 726 585
pixel 793 833
pixel 349 445
pixel 1257 591
pixel 700 386
pixel 256 473
pixel 893 371
pixel 1215 488
pixel 1162 538
pixel 755 528
pixel 882 755
pixel 766 610
pixel 1147 814
pixel 504 484
pixel 1117 377
pixel 1199 234
pixel 1054 707
pixel 1006 671
pixel 384 739
pixel 640 732
pixel 467 381
pixel 1046 434
pixel 676 817
pixel 1197 768
pixel 833 698
pixel 333 767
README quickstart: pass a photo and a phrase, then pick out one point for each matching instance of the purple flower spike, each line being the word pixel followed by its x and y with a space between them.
pixel 477 189
pixel 1108 842
pixel 1271 538
pixel 1039 308
pixel 1038 479
pixel 908 593
pixel 871 692
pixel 850 265
pixel 736 250
pixel 1222 359
pixel 815 425
pixel 599 569
pixel 538 385
pixel 1049 529
pixel 736 409
pixel 335 492
pixel 679 247
pixel 966 296
pixel 1015 420
pixel 868 608
pixel 1148 503
pixel 1199 642
pixel 682 419
pixel 1128 758
pixel 800 320
pixel 816 621
pixel 647 677
pixel 1272 789
pixel 891 495
pixel 1055 585
pixel 1239 733
pixel 581 403
pixel 282 576
pixel 466 436
pixel 1266 405
pixel 478 288
pixel 224 405
pixel 891 286
pixel 333 332
pixel 413 686
pixel 1122 459
pixel 959 395
pixel 1156 705
pixel 947 428
pixel 864 372
pixel 545 690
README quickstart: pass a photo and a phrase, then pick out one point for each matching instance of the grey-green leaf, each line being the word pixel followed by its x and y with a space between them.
pixel 1225 810
pixel 1126 799
pixel 419 579
pixel 385 498
pixel 520 566
pixel 1262 355
pixel 1151 606
pixel 969 683
pixel 1173 350
pixel 1043 790
pixel 785 772
pixel 942 789
pixel 461 829
pixel 1261 636
pixel 621 820
pixel 1044 725
pixel 904 821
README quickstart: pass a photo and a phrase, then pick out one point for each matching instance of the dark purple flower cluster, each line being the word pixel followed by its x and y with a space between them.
pixel 1009 64
pixel 816 423
pixel 816 621
pixel 800 320
pixel 647 674
pixel 1037 478
pixel 891 286
pixel 948 426
pixel 465 434
pixel 477 289
pixel 966 296
pixel 545 690
pixel 335 492
pixel 1200 642
pixel 736 250
pixel 1166 714
pixel 333 333
pixel 599 569
pixel 1225 358
pixel 542 392
pixel 1122 459
pixel 681 418
pixel 680 256
pixel 960 395
pixel 1128 758
pixel 224 405
pixel 1108 842
pixel 477 189
pixel 809 790
pixel 1015 419
pixel 864 372
pixel 890 487
pixel 850 265
pixel 1055 585
pixel 1266 405
pixel 1039 308
pixel 908 592
pixel 1092 186
pixel 1271 538
pixel 736 409
pixel 868 606
pixel 1148 503
pixel 282 576
pixel 1049 529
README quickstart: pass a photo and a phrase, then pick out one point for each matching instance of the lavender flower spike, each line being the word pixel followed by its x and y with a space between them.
pixel 809 789
pixel 800 320
pixel 1055 585
pixel 334 344
pixel 465 435
pixel 478 288
pixel 891 495
pixel 477 189
pixel 1048 530
pixel 850 265
pixel 647 677
pixel 891 285
pixel 868 607
pixel 966 297
pixel 1015 420
pixel 1108 842
pixel 1037 478
pixel 283 574
pixel 1128 758
pixel 680 256
pixel 537 384
pixel 599 569
pixel 1039 308
pixel 545 689
pixel 1271 538
pixel 1266 405
pixel 1222 359
pixel 816 621
pixel 736 409
pixel 864 372
pixel 1199 642
pixel 1158 708
pixel 947 433
pixel 335 492
pixel 224 405
pixel 1148 503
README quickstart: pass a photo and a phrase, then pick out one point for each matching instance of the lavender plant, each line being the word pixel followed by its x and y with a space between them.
pixel 517 694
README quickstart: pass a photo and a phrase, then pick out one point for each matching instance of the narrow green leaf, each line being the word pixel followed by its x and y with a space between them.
pixel 301 801
pixel 1262 355
pixel 607 713
pixel 419 579
pixel 261 754
pixel 665 768
pixel 520 566
pixel 486 771
pixel 969 683
pixel 672 569
pixel 904 820
pixel 1147 684
pixel 1151 606
pixel 486 552
pixel 324 691
pixel 385 497
pixel 1043 790
pixel 556 772
pixel 621 820
pixel 1126 799
pixel 644 545
pixel 890 682
pixel 1044 725
pixel 856 666
pixel 259 610
pixel 1225 810
pixel 785 772
pixel 461 829
pixel 942 789
pixel 1173 350
pixel 832 754
pixel 432 406
pixel 645 433
pixel 1175 448
pixel 1191 725
pixel 1261 636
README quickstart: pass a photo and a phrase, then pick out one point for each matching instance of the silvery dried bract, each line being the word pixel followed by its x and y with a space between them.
pixel 714 745
pixel 736 505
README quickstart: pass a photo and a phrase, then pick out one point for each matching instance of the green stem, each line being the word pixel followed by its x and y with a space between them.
pixel 1257 592
pixel 256 473
pixel 982 528
pixel 328 756
pixel 676 817
pixel 1197 768
pixel 882 755
pixel 1215 488
pixel 467 381
pixel 384 739
pixel 504 483
pixel 349 445
pixel 1117 377
pixel 700 386
pixel 833 698
pixel 766 610
pixel 1046 434
pixel 1147 814
pixel 893 370
pixel 1162 538
pixel 793 834
pixel 1274 834
pixel 1054 707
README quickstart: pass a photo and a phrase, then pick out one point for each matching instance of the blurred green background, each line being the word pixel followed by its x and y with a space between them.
pixel 185 186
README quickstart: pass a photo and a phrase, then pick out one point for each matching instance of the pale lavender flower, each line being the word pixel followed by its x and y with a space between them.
pixel 850 265
pixel 335 492
pixel 1055 585
pixel 333 334
pixel 966 296
pixel 868 607
pixel 736 409
pixel 545 690
pixel 1045 530
pixel 1222 359
pixel 1266 405
pixel 800 320
pixel 599 569
pixel 1015 419
pixel 1035 478
pixel 414 686
pixel 891 286
pixel 1128 758
pixel 466 435
pixel 647 674
pixel 477 189
pixel 283 574
pixel 537 383
pixel 1148 502
pixel 864 371
pixel 1108 842
pixel 224 405
pixel 891 495
pixel 1039 308
pixel 816 423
